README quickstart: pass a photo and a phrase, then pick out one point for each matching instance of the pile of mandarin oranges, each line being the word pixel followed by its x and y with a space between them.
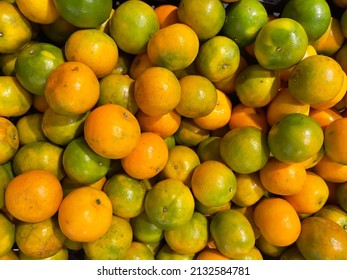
pixel 173 130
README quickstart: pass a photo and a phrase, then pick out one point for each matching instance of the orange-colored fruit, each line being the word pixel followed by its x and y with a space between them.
pixel 167 14
pixel 325 116
pixel 132 25
pixel 232 233
pixel 9 140
pixel 85 214
pixel 174 47
pixel 89 46
pixel 213 183
pixel 43 12
pixel 169 204
pixel 211 254
pixel 40 103
pixel 267 249
pixel 139 64
pixel 334 140
pixel 85 13
pixel 72 88
pixel 322 239
pixel 139 251
pixel 148 158
pixel 283 178
pixel 334 213
pixel 157 91
pixel 112 131
pixel 278 221
pixel 205 17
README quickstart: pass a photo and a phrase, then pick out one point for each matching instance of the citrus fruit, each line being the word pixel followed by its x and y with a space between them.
pixel 42 12
pixel 198 96
pixel 61 129
pixel 313 15
pixel 167 14
pixel 35 63
pixel 189 238
pixel 280 44
pixel 139 64
pixel 9 140
pixel 283 178
pixel 118 89
pixel 127 195
pixel 322 239
pixel 334 136
pixel 29 129
pixel 157 91
pixel 232 233
pixel 295 138
pixel 334 213
pixel 82 164
pixel 213 183
pixel 33 196
pixel 330 170
pixel 85 13
pixel 190 133
pixel 132 24
pixel 111 131
pixel 85 214
pixel 148 158
pixel 243 21
pixel 169 204
pixel 208 149
pixel 341 195
pixel 277 221
pixel 166 253
pixel 113 244
pixel 7 233
pixel 139 251
pixel 40 239
pixel 291 253
pixel 15 100
pixel 267 249
pixel 256 86
pixel 316 79
pixel 62 254
pixel 39 155
pixel 245 149
pixel 11 255
pixel 174 47
pixel 211 254
pixel 249 189
pixel 205 17
pixel 40 103
pixel 144 230
pixel 5 178
pixel 16 29
pixel 89 47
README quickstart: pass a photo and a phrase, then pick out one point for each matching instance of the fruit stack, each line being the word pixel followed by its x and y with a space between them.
pixel 189 130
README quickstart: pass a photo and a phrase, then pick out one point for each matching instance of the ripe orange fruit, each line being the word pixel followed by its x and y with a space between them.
pixel 40 103
pixel 111 131
pixel 277 221
pixel 39 240
pixel 325 116
pixel 29 129
pixel 43 12
pixel 334 213
pixel 85 214
pixel 167 14
pixel 213 183
pixel 245 149
pixel 15 100
pixel 157 91
pixel 189 238
pixel 33 196
pixel 229 241
pixel 243 21
pixel 85 13
pixel 174 47
pixel 205 17
pixel 132 24
pixel 181 163
pixel 82 164
pixel 243 115
pixel 284 103
pixel 322 239
pixel 198 96
pixel 169 204
pixel 316 79
pixel 112 245
pixel 35 63
pixel 280 44
pixel 334 140
pixel 16 28
pixel 72 88
pixel 218 58
pixel 313 15
pixel 7 233
pixel 283 178
pixel 211 254
pixel 9 140
pixel 295 138
pixel 148 158
pixel 89 46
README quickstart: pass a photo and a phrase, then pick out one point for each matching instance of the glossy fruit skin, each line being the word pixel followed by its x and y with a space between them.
pixel 322 239
pixel 7 235
pixel 308 138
